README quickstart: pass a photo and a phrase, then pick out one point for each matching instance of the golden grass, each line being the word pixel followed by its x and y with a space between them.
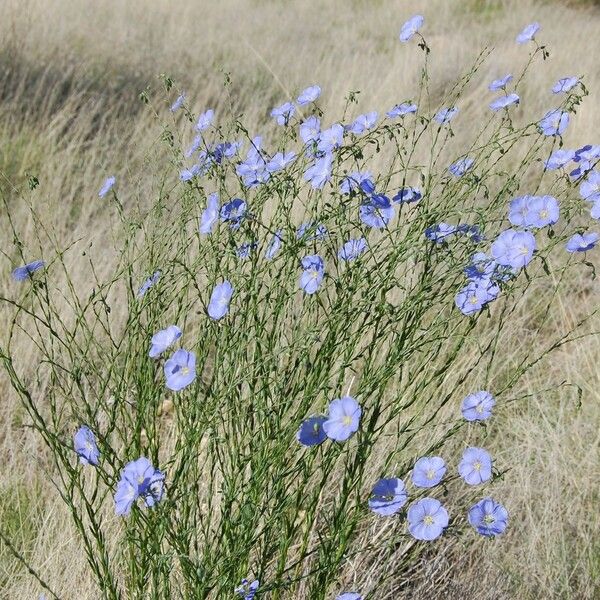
pixel 69 114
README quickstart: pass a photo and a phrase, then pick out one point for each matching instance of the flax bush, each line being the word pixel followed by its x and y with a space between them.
pixel 363 263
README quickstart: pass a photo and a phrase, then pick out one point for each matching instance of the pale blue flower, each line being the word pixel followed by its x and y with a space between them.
pixel 488 517
pixel 107 186
pixel 163 339
pixel 363 123
pixel 312 274
pixel 400 110
pixel 461 166
pixel 559 159
pixel 478 406
pixel 475 466
pixel 205 119
pixel 565 85
pixel 528 33
pixel 352 249
pixel 582 242
pixel 428 471
pixel 388 496
pixel 445 115
pixel 274 245
pixel 500 84
pixel 427 519
pixel 180 370
pixel 411 27
pixel 280 161
pixel 26 271
pixel 178 103
pixel 330 139
pixel 310 94
pixel 343 419
pixel 148 283
pixel 310 129
pixel 504 102
pixel 210 215
pixel 554 122
pixel 319 173
pixel 84 442
pixel 283 113
pixel 221 295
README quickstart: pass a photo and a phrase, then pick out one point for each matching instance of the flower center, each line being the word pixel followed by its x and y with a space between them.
pixel 479 408
pixel 473 299
pixel 430 473
pixel 544 214
pixel 477 466
pixel 523 250
pixel 185 370
pixel 347 420
pixel 488 519
pixel 428 520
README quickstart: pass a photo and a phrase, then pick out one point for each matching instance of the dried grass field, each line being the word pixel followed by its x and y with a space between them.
pixel 71 72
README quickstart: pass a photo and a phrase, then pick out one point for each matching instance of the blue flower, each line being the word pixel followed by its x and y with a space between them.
pixel 476 295
pixel 440 233
pixel 554 122
pixel 178 103
pixel 311 432
pixel 283 113
pixel 363 122
pixel 388 496
pixel 106 186
pixel 189 174
pixel 461 166
pixel 210 215
pixel 330 139
pixel 139 479
pixel 590 188
pixel 319 173
pixel 163 339
pixel 411 27
pixel 533 211
pixel 274 245
pixel 233 212
pixel 400 110
pixel 313 273
pixel 586 159
pixel 376 212
pixel 500 84
pixel 478 406
pixel 343 419
pixel 353 181
pixel 280 161
pixel 253 170
pixel 310 129
pixel 504 101
pixel 84 442
pixel 180 370
pixel 148 283
pixel 247 590
pixel 193 146
pixel 488 517
pixel 428 471
pixel 225 150
pixel 407 195
pixel 564 85
pixel 349 596
pixel 514 248
pixel 427 519
pixel 205 119
pixel 26 271
pixel 582 242
pixel 243 251
pixel 310 94
pixel 446 115
pixel 221 295
pixel 353 248
pixel 476 466
pixel 528 33
pixel 481 268
pixel 307 232
pixel 559 159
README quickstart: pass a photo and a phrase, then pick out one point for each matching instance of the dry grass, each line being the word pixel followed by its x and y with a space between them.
pixel 69 114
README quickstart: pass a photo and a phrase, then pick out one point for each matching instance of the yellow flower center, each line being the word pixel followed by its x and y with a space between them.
pixel 479 408
pixel 488 519
pixel 430 474
pixel 428 520
pixel 347 420
pixel 524 250
pixel 185 370
pixel 544 214
pixel 477 466
pixel 473 299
